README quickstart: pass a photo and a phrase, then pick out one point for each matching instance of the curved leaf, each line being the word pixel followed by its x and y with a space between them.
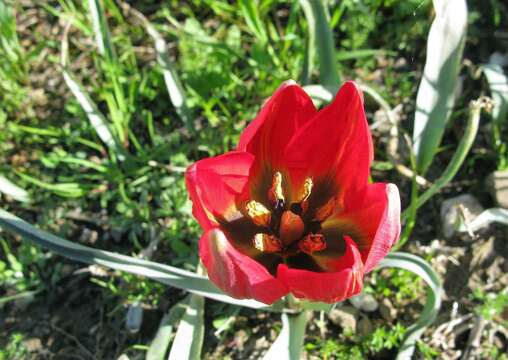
pixel 421 268
pixel 436 94
pixel 165 274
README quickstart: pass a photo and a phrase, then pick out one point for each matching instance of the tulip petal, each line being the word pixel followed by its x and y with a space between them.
pixel 372 218
pixel 267 136
pixel 336 142
pixel 388 231
pixel 284 113
pixel 214 185
pixel 235 273
pixel 330 287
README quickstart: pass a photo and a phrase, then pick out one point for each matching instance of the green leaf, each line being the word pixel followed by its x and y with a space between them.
pixel 421 268
pixel 101 30
pixel 321 34
pixel 160 343
pixel 289 343
pixel 9 188
pixel 436 94
pixel 173 84
pixel 191 330
pixel 96 118
pixel 250 12
pixel 492 215
pixel 165 274
pixel 498 83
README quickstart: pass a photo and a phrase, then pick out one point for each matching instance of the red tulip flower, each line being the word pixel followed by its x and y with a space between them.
pixel 291 209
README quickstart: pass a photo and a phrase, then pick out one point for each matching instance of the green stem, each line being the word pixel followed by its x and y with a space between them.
pixel 460 155
pixel 289 343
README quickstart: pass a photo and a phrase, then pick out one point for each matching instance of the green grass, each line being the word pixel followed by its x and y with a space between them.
pixel 229 59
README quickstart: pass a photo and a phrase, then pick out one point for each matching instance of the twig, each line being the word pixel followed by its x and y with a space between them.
pixel 474 337
pixel 73 338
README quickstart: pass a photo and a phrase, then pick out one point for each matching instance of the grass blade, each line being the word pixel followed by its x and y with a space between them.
pixel 173 84
pixel 421 268
pixel 9 188
pixel 250 12
pixel 191 330
pixel 101 30
pixel 289 343
pixel 436 94
pixel 96 118
pixel 165 274
pixel 321 33
pixel 160 343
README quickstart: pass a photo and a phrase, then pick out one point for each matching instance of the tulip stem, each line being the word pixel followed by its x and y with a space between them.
pixel 289 343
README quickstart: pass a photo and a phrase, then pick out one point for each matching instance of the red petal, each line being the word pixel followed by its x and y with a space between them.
pixel 215 183
pixel 235 273
pixel 337 141
pixel 327 287
pixel 372 217
pixel 284 113
pixel 388 231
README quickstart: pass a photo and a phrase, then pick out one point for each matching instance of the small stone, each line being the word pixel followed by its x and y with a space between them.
pixel 387 311
pixel 32 344
pixel 364 327
pixel 455 210
pixel 497 184
pixel 345 317
pixel 134 318
pixel 364 302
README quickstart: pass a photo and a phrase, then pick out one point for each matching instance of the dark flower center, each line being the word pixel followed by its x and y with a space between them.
pixel 284 228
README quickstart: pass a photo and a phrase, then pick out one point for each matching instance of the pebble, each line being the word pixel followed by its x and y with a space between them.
pixel 364 302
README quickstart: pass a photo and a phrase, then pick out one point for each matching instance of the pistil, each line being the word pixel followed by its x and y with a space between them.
pixel 291 227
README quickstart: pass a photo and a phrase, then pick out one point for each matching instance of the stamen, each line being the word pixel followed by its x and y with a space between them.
pixel 312 243
pixel 259 214
pixel 275 193
pixel 267 243
pixel 307 189
pixel 326 210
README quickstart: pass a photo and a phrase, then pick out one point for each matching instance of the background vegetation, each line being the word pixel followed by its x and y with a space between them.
pixel 120 187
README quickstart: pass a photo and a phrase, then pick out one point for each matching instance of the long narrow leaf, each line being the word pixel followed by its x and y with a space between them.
pixel 189 336
pixel 498 83
pixel 436 94
pixel 421 268
pixel 160 344
pixel 250 10
pixel 101 30
pixel 321 33
pixel 493 215
pixel 289 343
pixel 96 118
pixel 173 84
pixel 165 274
pixel 9 188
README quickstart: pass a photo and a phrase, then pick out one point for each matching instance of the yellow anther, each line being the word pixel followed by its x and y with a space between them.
pixel 259 214
pixel 267 243
pixel 307 189
pixel 275 193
